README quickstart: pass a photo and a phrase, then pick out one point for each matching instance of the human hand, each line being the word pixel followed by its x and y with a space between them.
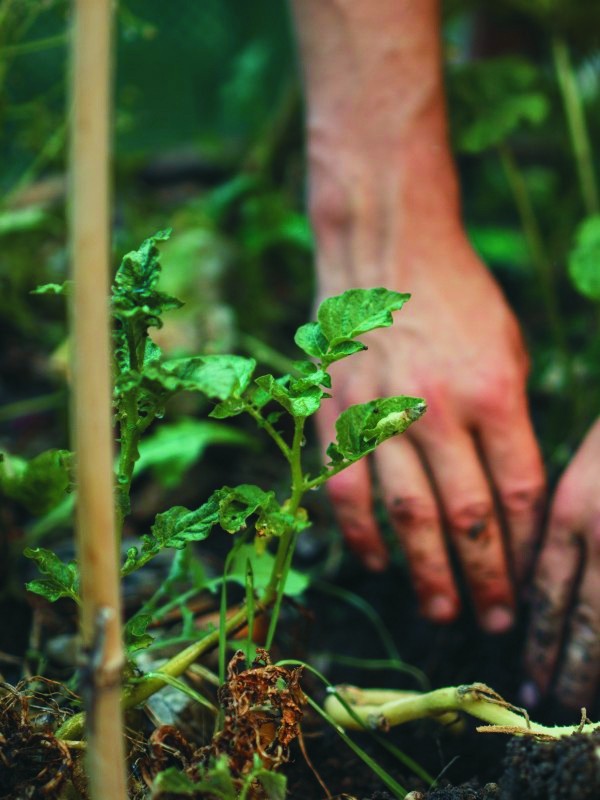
pixel 385 211
pixel 471 464
pixel 566 605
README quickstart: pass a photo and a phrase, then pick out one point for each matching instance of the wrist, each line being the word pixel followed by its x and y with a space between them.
pixel 378 223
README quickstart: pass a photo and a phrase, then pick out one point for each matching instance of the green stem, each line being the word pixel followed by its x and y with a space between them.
pixel 133 696
pixel 266 426
pixel 314 483
pixel 34 46
pixel 287 542
pixel 578 131
pixel 535 244
pixel 382 708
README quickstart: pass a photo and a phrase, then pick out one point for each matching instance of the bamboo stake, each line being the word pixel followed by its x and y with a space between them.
pixel 91 409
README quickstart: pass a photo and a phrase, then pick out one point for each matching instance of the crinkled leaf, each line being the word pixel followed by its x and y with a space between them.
pixel 238 503
pixel 62 580
pixel 137 305
pixel 175 447
pixel 39 484
pixel 300 403
pixel 221 377
pixel 174 528
pixel 584 259
pixel 360 428
pixel 136 634
pixel 357 311
pixel 491 99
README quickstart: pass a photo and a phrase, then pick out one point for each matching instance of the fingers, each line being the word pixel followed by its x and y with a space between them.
pixel 513 458
pixel 553 589
pixel 565 615
pixel 580 669
pixel 413 512
pixel 350 493
pixel 351 496
pixel 472 523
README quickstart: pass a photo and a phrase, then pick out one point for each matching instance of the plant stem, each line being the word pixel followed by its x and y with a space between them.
pixel 135 695
pixel 285 549
pixel 578 131
pixel 380 709
pixel 266 426
pixel 92 410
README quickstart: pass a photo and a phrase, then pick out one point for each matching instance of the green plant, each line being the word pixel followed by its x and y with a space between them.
pixel 280 406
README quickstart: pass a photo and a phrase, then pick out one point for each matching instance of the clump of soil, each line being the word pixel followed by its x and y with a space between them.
pixel 565 769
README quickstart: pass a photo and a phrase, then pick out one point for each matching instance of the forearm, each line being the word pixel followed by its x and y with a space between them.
pixel 379 162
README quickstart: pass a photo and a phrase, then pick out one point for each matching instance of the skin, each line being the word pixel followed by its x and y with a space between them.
pixel 564 639
pixel 385 210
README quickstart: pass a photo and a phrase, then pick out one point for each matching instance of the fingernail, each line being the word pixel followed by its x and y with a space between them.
pixel 497 619
pixel 440 608
pixel 529 695
pixel 375 563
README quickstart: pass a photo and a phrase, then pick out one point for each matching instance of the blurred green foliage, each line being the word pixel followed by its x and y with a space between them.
pixel 208 140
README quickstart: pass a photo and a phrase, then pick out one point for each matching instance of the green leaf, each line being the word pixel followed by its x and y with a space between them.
pixel 137 305
pixel 357 311
pixel 135 633
pixel 174 528
pixel 489 100
pixel 584 259
pixel 262 567
pixel 223 377
pixel 301 402
pixel 173 782
pixel 360 428
pixel 310 338
pixel 341 319
pixel 175 447
pixel 39 484
pixel 65 288
pixel 15 220
pixel 274 784
pixel 62 580
pixel 239 503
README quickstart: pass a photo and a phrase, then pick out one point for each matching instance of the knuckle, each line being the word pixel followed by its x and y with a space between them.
pixel 493 391
pixel 524 499
pixel 470 517
pixel 413 512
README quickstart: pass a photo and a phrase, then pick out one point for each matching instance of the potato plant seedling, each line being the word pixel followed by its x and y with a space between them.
pixel 266 527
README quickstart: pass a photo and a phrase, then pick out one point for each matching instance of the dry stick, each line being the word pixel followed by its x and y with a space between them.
pixel 92 432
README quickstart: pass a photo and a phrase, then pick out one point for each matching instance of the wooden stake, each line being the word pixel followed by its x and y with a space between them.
pixel 91 410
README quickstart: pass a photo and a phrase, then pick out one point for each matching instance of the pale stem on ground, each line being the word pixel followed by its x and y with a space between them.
pixel 381 709
pixel 92 390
